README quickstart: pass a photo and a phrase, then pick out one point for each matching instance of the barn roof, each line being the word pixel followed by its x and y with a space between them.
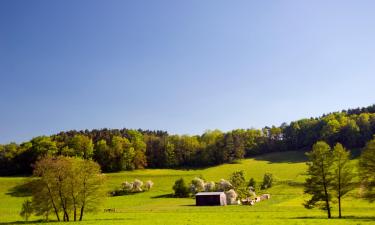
pixel 209 193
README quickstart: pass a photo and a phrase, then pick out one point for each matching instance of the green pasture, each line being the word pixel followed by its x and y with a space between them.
pixel 158 207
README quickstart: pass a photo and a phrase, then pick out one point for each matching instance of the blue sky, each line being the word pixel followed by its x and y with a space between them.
pixel 180 66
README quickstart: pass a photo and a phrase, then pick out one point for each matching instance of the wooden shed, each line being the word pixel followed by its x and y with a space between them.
pixel 210 198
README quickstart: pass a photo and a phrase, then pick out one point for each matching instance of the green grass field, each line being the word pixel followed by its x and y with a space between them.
pixel 155 207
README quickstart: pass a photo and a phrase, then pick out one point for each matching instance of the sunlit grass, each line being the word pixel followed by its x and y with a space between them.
pixel 153 207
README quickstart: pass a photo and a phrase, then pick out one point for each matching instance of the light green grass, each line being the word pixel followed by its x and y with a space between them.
pixel 284 207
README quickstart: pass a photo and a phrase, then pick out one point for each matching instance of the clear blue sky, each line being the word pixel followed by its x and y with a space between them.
pixel 180 66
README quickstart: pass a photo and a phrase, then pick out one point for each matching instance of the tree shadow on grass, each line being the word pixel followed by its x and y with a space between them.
pixel 22 190
pixel 164 196
pixel 361 218
pixel 27 222
pixel 283 157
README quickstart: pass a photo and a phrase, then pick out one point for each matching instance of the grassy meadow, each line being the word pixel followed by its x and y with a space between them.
pixel 158 207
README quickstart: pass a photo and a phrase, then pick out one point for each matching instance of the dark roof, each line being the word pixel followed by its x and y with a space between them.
pixel 209 193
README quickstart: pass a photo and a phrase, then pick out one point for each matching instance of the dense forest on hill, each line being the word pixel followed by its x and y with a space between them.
pixel 125 149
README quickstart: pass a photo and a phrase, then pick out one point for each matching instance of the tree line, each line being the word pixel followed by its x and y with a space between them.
pixel 126 149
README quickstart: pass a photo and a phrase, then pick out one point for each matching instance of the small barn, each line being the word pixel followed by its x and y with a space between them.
pixel 210 198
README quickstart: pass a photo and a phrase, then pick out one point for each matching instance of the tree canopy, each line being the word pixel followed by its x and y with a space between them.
pixel 125 149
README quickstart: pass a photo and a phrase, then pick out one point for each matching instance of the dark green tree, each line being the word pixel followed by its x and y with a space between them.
pixel 180 188
pixel 267 181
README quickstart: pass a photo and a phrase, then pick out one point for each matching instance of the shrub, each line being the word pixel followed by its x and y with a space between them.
pixel 237 179
pixel 137 185
pixel 209 186
pixel 224 185
pixel 267 181
pixel 127 187
pixel 252 183
pixel 149 184
pixel 197 185
pixel 180 188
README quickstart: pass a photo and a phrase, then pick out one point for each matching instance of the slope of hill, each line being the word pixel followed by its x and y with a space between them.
pixel 157 207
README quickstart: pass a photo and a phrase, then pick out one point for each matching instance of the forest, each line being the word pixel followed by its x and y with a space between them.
pixel 127 149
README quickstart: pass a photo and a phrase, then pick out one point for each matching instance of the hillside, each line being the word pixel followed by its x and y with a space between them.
pixel 157 207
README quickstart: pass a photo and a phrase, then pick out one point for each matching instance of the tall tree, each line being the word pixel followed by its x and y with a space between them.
pixel 320 177
pixel 343 173
pixel 367 170
pixel 82 146
pixel 90 186
pixel 139 146
pixel 67 185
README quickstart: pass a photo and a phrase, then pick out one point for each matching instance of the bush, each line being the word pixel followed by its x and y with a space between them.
pixel 209 186
pixel 127 187
pixel 267 181
pixel 197 185
pixel 149 185
pixel 132 187
pixel 180 188
pixel 237 179
pixel 252 183
pixel 137 185
pixel 224 185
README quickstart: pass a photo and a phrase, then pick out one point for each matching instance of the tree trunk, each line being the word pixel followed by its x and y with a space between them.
pixel 53 203
pixel 339 206
pixel 326 192
pixel 81 215
pixel 327 202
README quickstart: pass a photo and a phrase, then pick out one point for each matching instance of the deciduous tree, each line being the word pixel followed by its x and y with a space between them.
pixel 320 177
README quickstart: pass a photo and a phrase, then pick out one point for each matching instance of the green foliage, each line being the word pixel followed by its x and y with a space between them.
pixel 367 170
pixel 197 185
pixel 252 183
pixel 267 181
pixel 320 177
pixel 81 146
pixel 343 173
pixel 237 179
pixel 26 210
pixel 180 188
pixel 67 187
pixel 157 207
pixel 125 149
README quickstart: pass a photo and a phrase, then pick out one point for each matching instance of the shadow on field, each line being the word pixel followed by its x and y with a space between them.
pixel 164 196
pixel 22 190
pixel 283 157
pixel 55 221
pixel 27 222
pixel 361 218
